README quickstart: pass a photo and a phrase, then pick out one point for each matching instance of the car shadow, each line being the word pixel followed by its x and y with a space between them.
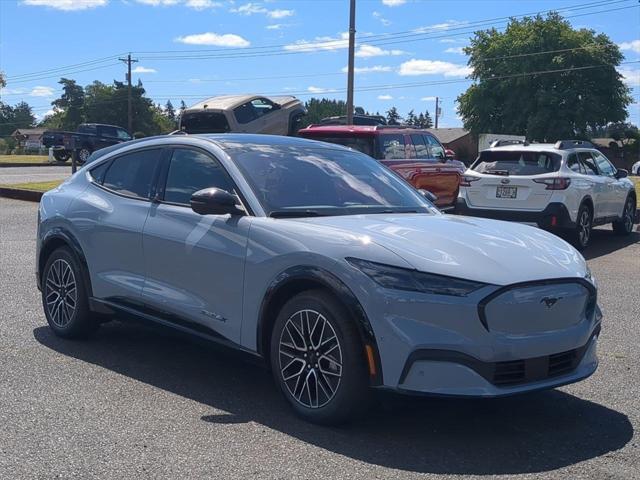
pixel 605 241
pixel 525 434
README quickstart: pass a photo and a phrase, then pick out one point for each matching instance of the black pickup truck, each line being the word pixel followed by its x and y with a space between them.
pixel 88 138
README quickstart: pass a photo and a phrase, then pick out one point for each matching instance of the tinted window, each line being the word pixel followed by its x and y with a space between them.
pixel 421 147
pixel 604 165
pixel 361 144
pixel 587 161
pixel 108 131
pixel 87 129
pixel 190 171
pixel 437 150
pixel 391 146
pixel 262 106
pixel 246 113
pixel 514 162
pixel 304 180
pixel 98 172
pixel 132 174
pixel 123 134
pixel 574 164
pixel 204 122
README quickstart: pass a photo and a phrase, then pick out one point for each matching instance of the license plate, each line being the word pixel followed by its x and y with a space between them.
pixel 506 192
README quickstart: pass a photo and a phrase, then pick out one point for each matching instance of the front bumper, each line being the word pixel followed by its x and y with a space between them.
pixel 555 215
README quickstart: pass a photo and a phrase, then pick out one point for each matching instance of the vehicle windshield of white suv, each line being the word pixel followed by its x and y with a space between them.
pixel 302 181
pixel 514 162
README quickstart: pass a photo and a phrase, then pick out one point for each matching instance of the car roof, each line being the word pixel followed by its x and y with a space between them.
pixel 361 129
pixel 537 147
pixel 222 102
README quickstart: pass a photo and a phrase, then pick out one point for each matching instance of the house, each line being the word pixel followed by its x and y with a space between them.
pixel 459 140
pixel 29 138
pixel 614 151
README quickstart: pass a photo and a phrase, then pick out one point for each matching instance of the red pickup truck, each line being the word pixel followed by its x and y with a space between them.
pixel 414 154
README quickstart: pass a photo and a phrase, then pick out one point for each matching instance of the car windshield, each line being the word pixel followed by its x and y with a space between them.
pixel 204 122
pixel 516 162
pixel 293 181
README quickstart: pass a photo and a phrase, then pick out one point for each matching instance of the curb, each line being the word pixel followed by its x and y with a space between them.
pixel 46 164
pixel 20 194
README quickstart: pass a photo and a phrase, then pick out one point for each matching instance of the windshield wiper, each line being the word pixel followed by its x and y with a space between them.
pixel 295 213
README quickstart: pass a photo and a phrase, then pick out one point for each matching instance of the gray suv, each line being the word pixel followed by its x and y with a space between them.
pixel 321 262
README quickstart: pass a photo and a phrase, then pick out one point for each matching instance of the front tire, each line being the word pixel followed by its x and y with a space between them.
pixel 64 296
pixel 83 155
pixel 61 155
pixel 584 224
pixel 318 359
pixel 624 226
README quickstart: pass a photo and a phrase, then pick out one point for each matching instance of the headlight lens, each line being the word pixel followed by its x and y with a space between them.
pixel 398 278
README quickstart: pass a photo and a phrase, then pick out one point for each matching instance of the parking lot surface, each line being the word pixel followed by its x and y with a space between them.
pixel 10 175
pixel 133 402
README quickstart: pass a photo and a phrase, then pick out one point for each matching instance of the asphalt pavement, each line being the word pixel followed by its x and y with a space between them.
pixel 133 402
pixel 10 175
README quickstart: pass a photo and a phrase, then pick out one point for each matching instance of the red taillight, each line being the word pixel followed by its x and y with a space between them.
pixel 558 183
pixel 466 180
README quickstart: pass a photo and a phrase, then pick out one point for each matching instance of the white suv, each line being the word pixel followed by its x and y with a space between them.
pixel 568 186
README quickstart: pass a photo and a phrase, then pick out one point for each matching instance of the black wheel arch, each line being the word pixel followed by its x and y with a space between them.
pixel 298 279
pixel 60 237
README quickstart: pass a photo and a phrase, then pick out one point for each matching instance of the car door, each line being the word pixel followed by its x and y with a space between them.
pixel 616 188
pixel 114 211
pixel 248 118
pixel 600 191
pixel 195 263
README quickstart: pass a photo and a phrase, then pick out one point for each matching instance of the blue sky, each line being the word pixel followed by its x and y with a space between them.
pixel 260 46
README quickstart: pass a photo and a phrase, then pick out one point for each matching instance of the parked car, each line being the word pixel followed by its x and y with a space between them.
pixel 568 187
pixel 414 154
pixel 88 138
pixel 245 114
pixel 635 168
pixel 319 261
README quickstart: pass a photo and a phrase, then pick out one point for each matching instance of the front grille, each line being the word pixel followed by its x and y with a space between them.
pixel 509 373
pixel 536 369
pixel 562 363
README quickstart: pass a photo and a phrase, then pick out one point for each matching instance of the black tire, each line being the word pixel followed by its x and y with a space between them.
pixel 581 235
pixel 83 155
pixel 624 226
pixel 338 398
pixel 61 155
pixel 71 317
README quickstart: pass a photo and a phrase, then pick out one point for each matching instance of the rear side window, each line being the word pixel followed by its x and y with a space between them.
pixel 574 164
pixel 361 144
pixel 98 172
pixel 391 146
pixel 514 162
pixel 132 174
pixel 204 122
pixel 588 162
pixel 106 131
pixel 190 171
pixel 420 145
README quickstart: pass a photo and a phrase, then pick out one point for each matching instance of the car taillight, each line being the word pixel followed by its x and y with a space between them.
pixel 559 183
pixel 466 180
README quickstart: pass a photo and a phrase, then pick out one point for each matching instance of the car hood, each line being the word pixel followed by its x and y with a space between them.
pixel 489 251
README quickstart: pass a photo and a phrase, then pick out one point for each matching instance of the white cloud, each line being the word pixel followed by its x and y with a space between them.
pixel 374 69
pixel 433 67
pixel 385 97
pixel 458 50
pixel 631 76
pixel 67 5
pixel 41 92
pixel 280 13
pixel 437 27
pixel 313 89
pixel 633 45
pixel 210 38
pixel 202 4
pixel 368 51
pixel 428 99
pixel 142 69
pixel 156 3
pixel 393 3
pixel 275 26
pixel 320 43
pixel 383 20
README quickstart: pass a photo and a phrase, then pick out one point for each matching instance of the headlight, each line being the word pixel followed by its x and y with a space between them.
pixel 398 278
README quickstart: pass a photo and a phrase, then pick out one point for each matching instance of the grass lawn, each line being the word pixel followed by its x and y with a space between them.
pixel 23 158
pixel 37 186
pixel 636 180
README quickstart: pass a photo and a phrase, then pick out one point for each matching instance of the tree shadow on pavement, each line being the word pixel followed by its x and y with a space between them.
pixel 526 434
pixel 605 241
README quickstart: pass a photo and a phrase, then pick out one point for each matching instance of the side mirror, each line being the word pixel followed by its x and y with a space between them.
pixel 622 173
pixel 214 201
pixel 428 195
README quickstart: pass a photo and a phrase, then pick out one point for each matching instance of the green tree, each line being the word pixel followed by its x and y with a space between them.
pixel 12 118
pixel 585 92
pixel 71 103
pixel 393 117
pixel 169 111
pixel 317 109
pixel 3 81
pixel 412 119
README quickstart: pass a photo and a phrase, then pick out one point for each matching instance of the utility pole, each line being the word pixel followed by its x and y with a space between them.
pixel 437 110
pixel 129 61
pixel 352 44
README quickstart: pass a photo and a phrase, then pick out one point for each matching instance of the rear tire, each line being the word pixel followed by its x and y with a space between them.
pixel 61 155
pixel 581 236
pixel 318 360
pixel 64 296
pixel 83 155
pixel 624 226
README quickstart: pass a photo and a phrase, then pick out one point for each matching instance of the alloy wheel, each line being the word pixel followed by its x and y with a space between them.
pixel 584 228
pixel 310 358
pixel 61 294
pixel 628 215
pixel 84 154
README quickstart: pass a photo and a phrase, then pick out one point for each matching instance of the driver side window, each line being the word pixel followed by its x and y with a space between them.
pixel 190 171
pixel 604 165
